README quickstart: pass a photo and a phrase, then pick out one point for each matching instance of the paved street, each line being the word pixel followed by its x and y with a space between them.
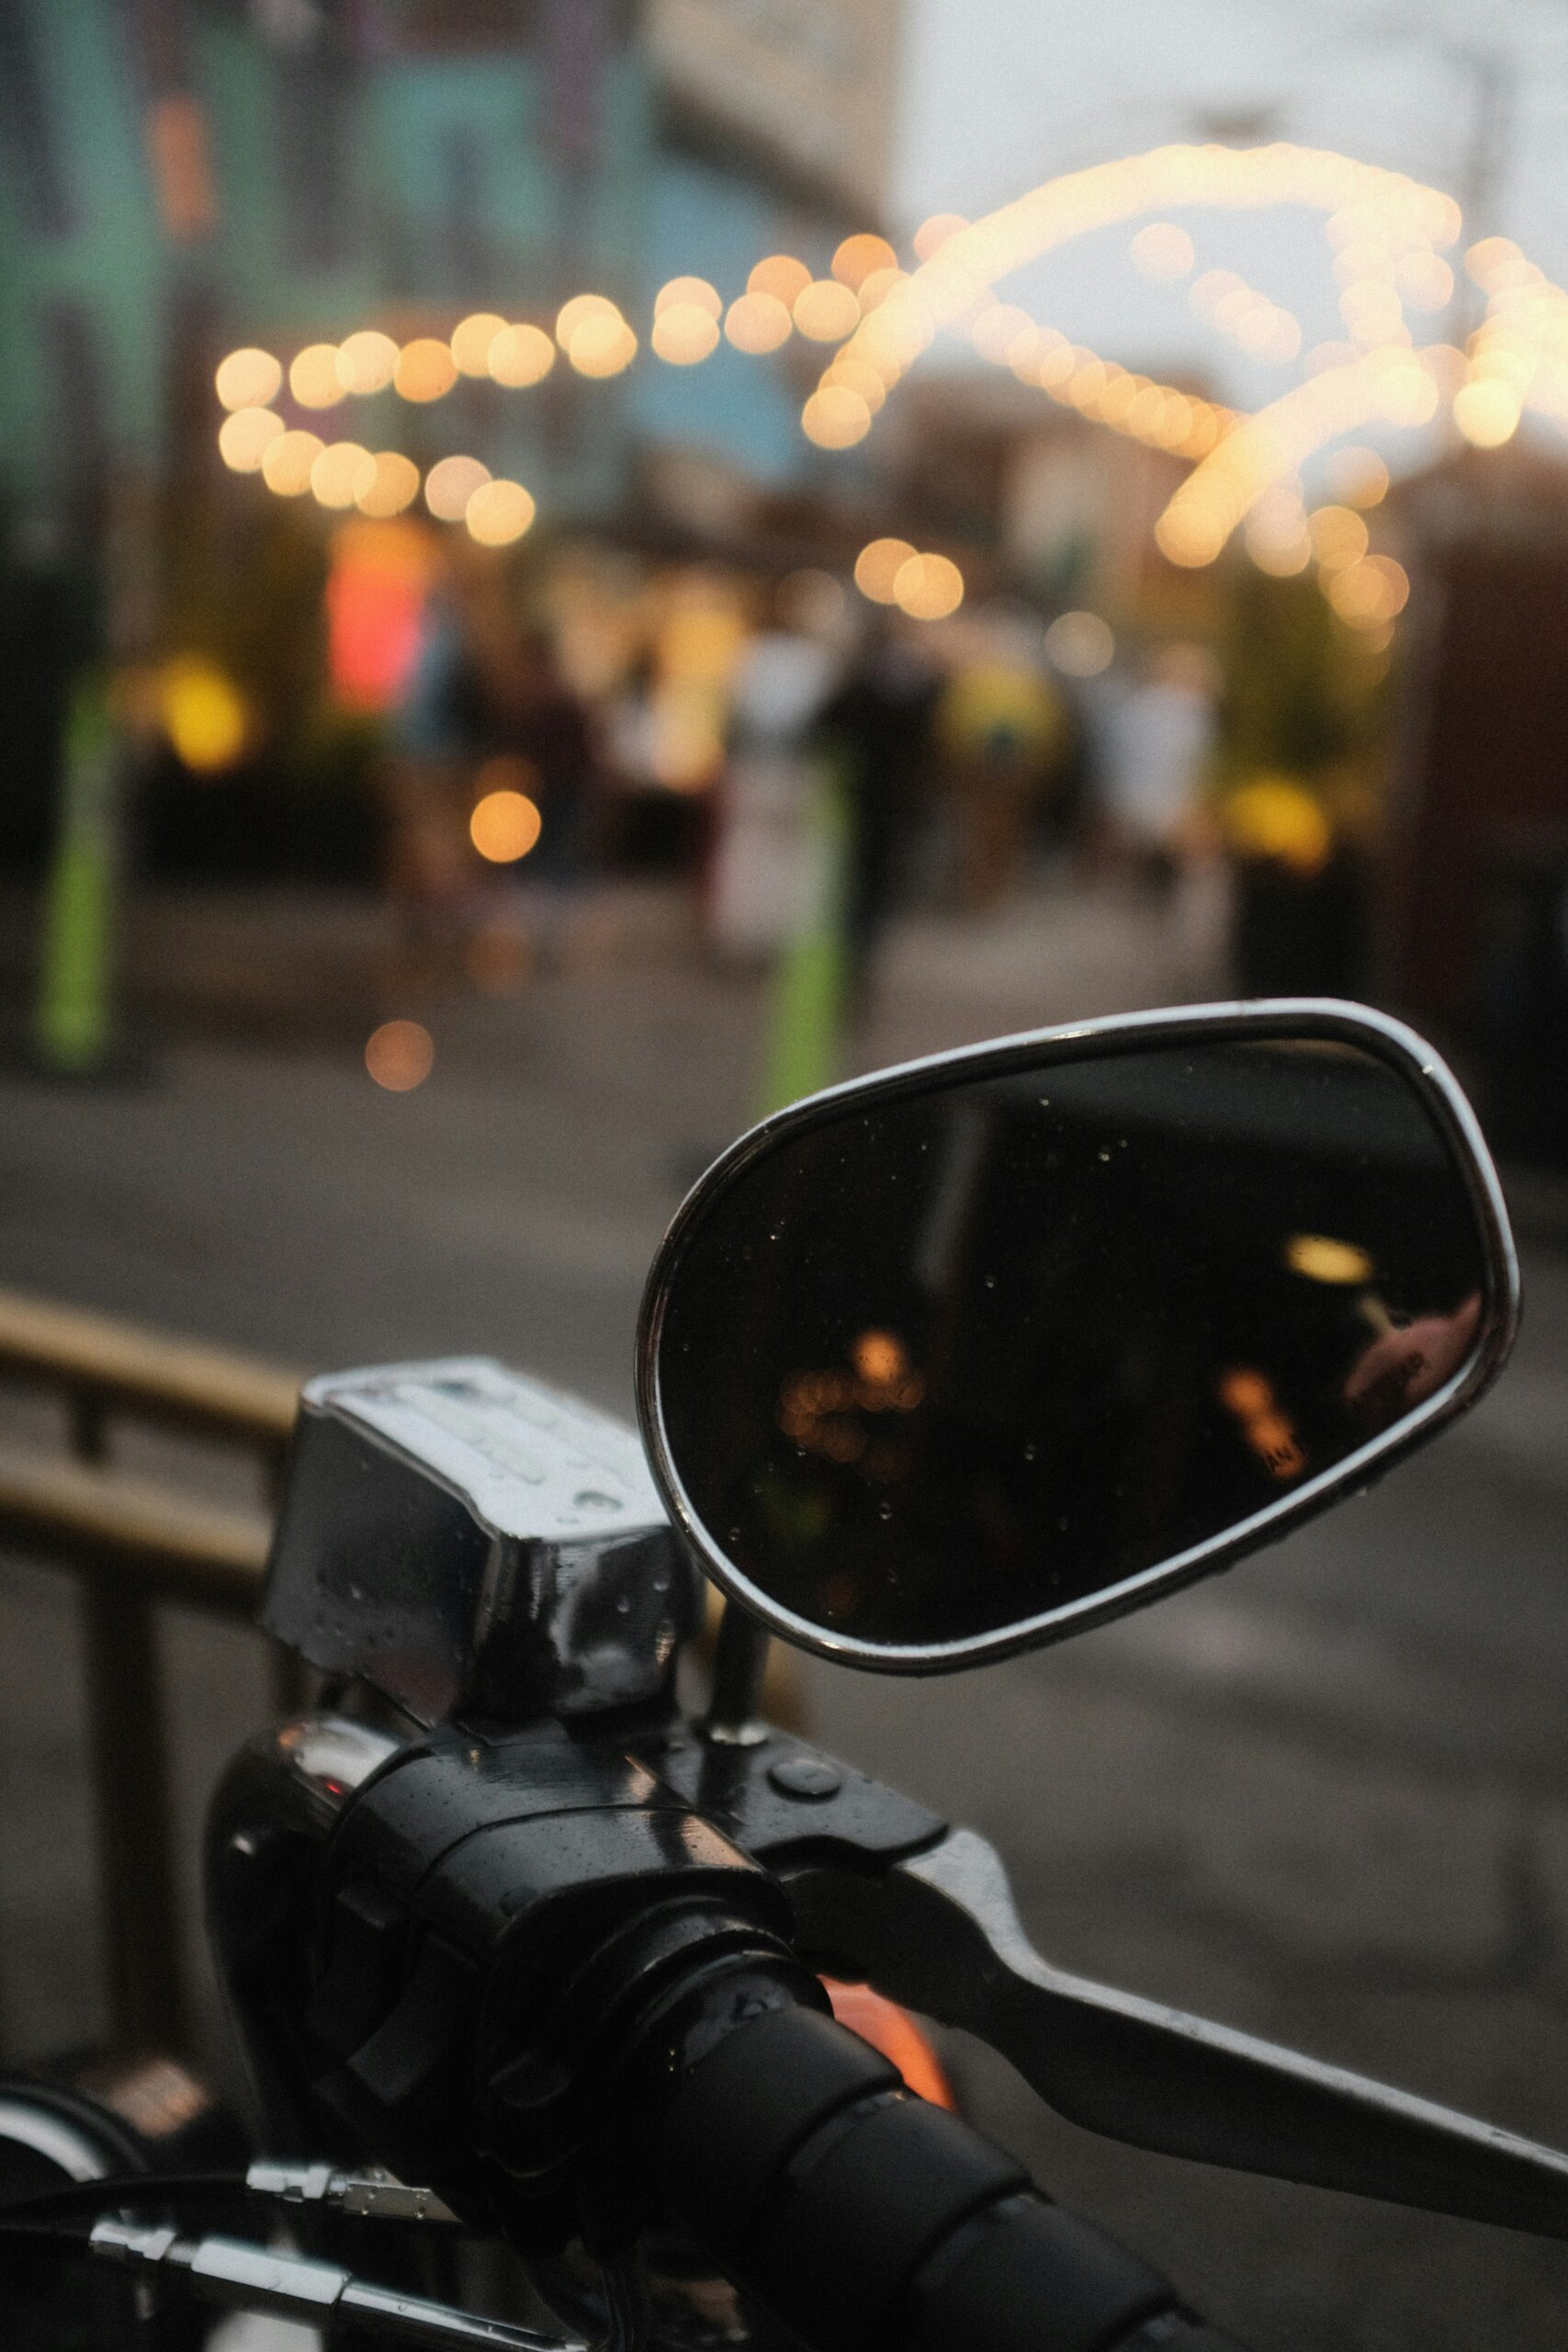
pixel 1325 1798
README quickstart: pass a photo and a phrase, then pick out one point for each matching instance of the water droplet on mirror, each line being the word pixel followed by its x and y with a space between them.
pixel 990 1281
pixel 1103 1153
pixel 883 1510
pixel 1029 1452
pixel 734 1535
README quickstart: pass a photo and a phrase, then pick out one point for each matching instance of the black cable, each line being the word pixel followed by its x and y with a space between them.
pixel 109 2196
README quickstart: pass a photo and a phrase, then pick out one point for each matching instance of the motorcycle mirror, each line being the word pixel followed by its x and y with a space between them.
pixel 970 1355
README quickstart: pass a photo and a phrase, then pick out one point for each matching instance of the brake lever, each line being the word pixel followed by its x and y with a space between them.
pixel 938 1930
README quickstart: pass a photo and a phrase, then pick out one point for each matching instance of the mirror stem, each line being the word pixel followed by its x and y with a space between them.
pixel 740 1654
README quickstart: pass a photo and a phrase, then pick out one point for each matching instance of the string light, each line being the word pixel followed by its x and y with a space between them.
pixel 366 362
pixel 244 437
pixel 248 379
pixel 521 356
pixel 877 567
pixel 313 378
pixel 472 340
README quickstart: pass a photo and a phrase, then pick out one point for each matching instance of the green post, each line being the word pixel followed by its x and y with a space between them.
pixel 805 1010
pixel 74 1017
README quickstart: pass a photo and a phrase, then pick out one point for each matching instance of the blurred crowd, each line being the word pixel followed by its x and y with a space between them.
pixel 828 761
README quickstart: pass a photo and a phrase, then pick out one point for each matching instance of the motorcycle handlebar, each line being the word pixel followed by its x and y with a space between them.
pixel 862 2216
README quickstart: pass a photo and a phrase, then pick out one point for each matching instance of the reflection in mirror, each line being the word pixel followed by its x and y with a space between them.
pixel 947 1360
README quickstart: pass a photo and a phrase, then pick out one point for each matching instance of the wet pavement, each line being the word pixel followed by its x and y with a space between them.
pixel 1324 1798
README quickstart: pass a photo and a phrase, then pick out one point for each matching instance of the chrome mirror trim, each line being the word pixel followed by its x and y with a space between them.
pixel 1294 1017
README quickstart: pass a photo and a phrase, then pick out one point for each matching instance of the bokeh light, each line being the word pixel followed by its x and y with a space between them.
pixel 313 378
pixel 1339 536
pixel 576 312
pixel 204 714
pixel 449 485
pixel 684 334
pixel 1488 413
pixel 861 257
pixel 826 311
pixel 472 340
pixel 504 826
pixel 342 474
pixel 244 437
pixel 426 370
pixel 393 486
pixel 1161 250
pixel 835 418
pixel 928 587
pixel 286 462
pixel 759 321
pixel 366 361
pixel 932 235
pixel 877 567
pixel 248 379
pixel 521 356
pixel 1079 644
pixel 399 1055
pixel 499 512
pixel 601 346
pixel 1357 477
pixel 780 275
pixel 679 292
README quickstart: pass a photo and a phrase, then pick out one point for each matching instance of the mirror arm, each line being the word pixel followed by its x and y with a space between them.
pixel 940 1932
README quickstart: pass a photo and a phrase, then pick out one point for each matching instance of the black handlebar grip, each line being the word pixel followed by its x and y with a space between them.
pixel 864 2218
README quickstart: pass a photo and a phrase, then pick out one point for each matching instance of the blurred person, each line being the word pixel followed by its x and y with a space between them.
pixel 542 743
pixel 880 720
pixel 1003 731
pixel 1159 738
pixel 769 868
pixel 434 732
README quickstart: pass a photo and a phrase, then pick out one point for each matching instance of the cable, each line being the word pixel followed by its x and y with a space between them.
pixel 94 2196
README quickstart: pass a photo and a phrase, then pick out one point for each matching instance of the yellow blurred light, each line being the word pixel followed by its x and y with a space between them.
pixel 399 1055
pixel 521 356
pixel 1273 818
pixel 824 312
pixel 759 321
pixel 1358 477
pixel 997 329
pixel 577 312
pixel 1079 644
pixel 449 485
pixel 472 340
pixel 928 587
pixel 932 235
pixel 244 437
pixel 1488 413
pixel 877 567
pixel 858 375
pixel 393 485
pixel 1339 536
pixel 1425 279
pixel 780 275
pixel 499 512
pixel 1491 259
pixel 1163 251
pixel 426 370
pixel 314 377
pixel 835 418
pixel 204 714
pixel 504 827
pixel 878 286
pixel 366 362
pixel 1369 592
pixel 688 289
pixel 859 258
pixel 248 379
pixel 342 474
pixel 1323 1259
pixel 684 334
pixel 1281 553
pixel 285 465
pixel 601 345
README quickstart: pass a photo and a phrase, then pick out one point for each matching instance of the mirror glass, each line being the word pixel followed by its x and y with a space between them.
pixel 946 1361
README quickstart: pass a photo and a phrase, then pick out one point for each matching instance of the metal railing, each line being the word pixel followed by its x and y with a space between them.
pixel 135 1543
